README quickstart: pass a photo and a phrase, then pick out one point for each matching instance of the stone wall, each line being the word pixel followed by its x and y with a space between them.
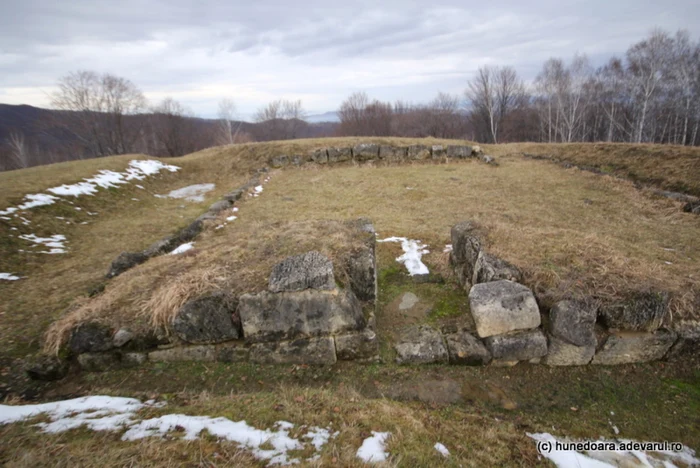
pixel 304 317
pixel 510 327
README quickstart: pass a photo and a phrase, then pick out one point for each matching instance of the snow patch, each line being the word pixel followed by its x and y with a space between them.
pixel 448 248
pixel 194 193
pixel 613 458
pixel 8 277
pixel 56 242
pixel 104 413
pixel 413 251
pixel 372 448
pixel 441 449
pixel 231 218
pixel 182 248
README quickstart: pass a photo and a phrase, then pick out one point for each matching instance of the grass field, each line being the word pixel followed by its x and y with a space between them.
pixel 572 232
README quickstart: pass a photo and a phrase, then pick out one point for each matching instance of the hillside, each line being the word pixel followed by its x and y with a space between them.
pixel 565 234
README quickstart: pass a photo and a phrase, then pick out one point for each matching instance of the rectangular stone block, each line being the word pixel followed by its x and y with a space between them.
pixel 313 351
pixel 357 346
pixel 459 151
pixel 503 306
pixel 521 346
pixel 417 152
pixel 339 154
pixel 631 347
pixel 561 353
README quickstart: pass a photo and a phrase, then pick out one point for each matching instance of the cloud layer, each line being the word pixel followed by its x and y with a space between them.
pixel 317 51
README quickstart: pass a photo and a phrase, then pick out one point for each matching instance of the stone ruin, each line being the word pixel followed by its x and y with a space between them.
pixel 509 326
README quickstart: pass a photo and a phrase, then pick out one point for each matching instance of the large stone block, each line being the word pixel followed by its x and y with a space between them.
pixel 521 346
pixel 90 337
pixel 459 151
pixel 47 368
pixel 640 312
pixel 282 316
pixel 357 346
pixel 421 344
pixel 438 151
pixel 362 269
pixel 561 353
pixel 98 362
pixel 465 348
pixel 320 156
pixel 205 353
pixel 211 318
pixel 466 246
pixel 311 270
pixel 630 347
pixel 365 151
pixel 489 267
pixel 503 306
pixel 313 351
pixel 392 153
pixel 417 152
pixel 279 161
pixel 220 206
pixel 126 261
pixel 339 154
pixel 574 322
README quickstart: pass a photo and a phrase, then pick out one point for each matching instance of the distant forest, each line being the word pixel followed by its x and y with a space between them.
pixel 650 95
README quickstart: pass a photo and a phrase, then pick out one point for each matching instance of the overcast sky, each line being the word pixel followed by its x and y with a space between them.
pixel 318 51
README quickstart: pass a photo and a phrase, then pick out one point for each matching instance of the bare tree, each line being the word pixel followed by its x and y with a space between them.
pixel 173 128
pixel 360 117
pixel 228 128
pixel 19 149
pixel 281 119
pixel 647 61
pixel 96 108
pixel 493 94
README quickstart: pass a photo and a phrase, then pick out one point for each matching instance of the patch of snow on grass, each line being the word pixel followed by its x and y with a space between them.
pixel 194 193
pixel 258 189
pixel 182 248
pixel 448 248
pixel 612 458
pixel 413 251
pixel 56 242
pixel 372 448
pixel 442 449
pixel 231 218
pixel 36 199
pixel 8 277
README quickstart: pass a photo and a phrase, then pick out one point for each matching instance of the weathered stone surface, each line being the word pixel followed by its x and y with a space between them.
pixel 630 347
pixel 502 306
pixel 98 362
pixel 641 312
pixel 279 161
pixel 90 337
pixel 190 232
pixel 420 344
pixel 418 152
pixel 219 206
pixel 47 368
pixel 357 346
pixel 459 151
pixel 465 348
pixel 133 359
pixel 521 346
pixel 319 156
pixel 692 207
pixel 297 160
pixel 233 196
pixel 489 267
pixel 365 151
pixel 574 322
pixel 162 246
pixel 392 153
pixel 231 353
pixel 476 149
pixel 211 318
pixel 184 353
pixel 312 351
pixel 465 250
pixel 488 159
pixel 362 270
pixel 438 151
pixel 561 353
pixel 122 337
pixel 205 217
pixel 125 261
pixel 311 270
pixel 282 316
pixel 339 154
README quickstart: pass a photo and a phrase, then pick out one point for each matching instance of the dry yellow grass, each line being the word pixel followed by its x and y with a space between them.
pixel 668 167
pixel 569 230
